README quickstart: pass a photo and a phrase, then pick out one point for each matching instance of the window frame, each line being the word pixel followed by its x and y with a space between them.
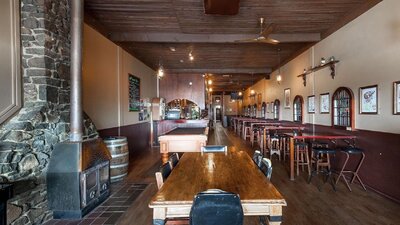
pixel 276 109
pixel 351 105
pixel 300 98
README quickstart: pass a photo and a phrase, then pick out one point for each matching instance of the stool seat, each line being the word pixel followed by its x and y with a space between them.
pixel 322 150
pixel 302 144
pixel 352 150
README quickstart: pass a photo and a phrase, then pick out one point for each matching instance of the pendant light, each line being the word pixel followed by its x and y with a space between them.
pixel 279 77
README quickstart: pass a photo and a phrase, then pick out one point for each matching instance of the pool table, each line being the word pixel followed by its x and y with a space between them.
pixel 183 140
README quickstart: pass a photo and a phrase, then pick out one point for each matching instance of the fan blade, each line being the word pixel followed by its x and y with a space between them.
pixel 268 40
pixel 248 40
pixel 268 30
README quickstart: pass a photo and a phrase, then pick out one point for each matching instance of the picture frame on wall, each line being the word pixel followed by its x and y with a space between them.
pixel 368 99
pixel 396 98
pixel 324 103
pixel 287 98
pixel 311 104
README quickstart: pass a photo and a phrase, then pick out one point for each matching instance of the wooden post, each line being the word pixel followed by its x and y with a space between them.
pixel 291 153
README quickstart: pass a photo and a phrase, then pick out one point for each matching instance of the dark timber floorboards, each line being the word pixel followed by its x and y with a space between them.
pixel 306 205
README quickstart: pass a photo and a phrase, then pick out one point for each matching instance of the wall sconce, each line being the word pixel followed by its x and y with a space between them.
pixel 191 56
pixel 279 78
pixel 252 92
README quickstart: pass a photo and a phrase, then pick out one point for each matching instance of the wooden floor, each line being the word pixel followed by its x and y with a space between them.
pixel 306 205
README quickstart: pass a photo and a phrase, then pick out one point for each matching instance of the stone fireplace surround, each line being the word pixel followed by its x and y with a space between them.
pixel 27 139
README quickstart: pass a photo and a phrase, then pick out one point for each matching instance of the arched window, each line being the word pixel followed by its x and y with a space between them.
pixel 298 109
pixel 277 105
pixel 343 108
pixel 254 111
pixel 263 110
pixel 248 112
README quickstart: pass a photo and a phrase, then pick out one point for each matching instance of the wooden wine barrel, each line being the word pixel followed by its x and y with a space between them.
pixel 118 147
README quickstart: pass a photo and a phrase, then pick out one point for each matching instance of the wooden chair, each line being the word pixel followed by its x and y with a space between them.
pixel 174 159
pixel 302 157
pixel 274 147
pixel 257 157
pixel 163 173
pixel 266 167
pixel 214 149
pixel 215 206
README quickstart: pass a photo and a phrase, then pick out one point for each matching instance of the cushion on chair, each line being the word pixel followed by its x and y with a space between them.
pixel 352 150
pixel 257 157
pixel 322 150
pixel 266 167
pixel 216 207
pixel 214 148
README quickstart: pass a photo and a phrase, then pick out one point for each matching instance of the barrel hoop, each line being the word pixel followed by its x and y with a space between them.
pixel 118 176
pixel 119 166
pixel 119 155
pixel 118 145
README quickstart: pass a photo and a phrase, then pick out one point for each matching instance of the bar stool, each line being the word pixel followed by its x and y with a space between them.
pixel 327 172
pixel 274 146
pixel 350 150
pixel 301 157
pixel 246 132
pixel 284 145
pixel 324 159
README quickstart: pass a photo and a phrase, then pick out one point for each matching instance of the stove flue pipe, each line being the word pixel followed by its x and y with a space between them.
pixel 76 70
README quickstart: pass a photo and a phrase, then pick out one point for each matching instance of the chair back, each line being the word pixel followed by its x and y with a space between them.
pixel 216 207
pixel 214 149
pixel 266 167
pixel 163 173
pixel 174 159
pixel 257 158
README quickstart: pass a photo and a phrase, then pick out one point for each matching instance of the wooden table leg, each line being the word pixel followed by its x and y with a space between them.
pixel 275 217
pixel 291 157
pixel 159 215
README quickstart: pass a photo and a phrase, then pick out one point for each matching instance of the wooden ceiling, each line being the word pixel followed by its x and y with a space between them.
pixel 149 29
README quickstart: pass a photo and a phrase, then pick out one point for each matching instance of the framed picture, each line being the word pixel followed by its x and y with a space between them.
pixel 369 99
pixel 311 104
pixel 134 93
pixel 324 103
pixel 396 98
pixel 286 103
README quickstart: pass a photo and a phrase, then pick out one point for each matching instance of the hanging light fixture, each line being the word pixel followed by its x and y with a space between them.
pixel 252 91
pixel 279 77
pixel 191 57
pixel 160 72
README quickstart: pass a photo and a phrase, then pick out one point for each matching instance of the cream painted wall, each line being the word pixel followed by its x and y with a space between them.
pixel 105 81
pixel 369 52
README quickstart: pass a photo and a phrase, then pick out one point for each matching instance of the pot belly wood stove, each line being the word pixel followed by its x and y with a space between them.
pixel 78 178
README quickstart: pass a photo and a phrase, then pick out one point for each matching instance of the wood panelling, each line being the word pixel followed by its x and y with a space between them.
pixel 138 136
pixel 147 30
pixel 176 86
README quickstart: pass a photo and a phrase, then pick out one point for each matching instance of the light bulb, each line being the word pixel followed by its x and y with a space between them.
pixel 160 72
pixel 252 92
pixel 209 82
pixel 279 78
pixel 210 89
pixel 240 93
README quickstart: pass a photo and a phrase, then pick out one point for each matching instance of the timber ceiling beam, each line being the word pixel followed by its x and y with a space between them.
pixel 265 71
pixel 208 38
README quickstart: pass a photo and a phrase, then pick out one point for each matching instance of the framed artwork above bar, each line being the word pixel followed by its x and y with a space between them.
pixel 324 103
pixel 311 104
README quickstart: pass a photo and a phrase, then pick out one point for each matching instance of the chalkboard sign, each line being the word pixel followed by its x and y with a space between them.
pixel 134 93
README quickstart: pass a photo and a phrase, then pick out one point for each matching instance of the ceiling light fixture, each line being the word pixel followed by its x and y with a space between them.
pixel 160 72
pixel 210 89
pixel 173 49
pixel 191 56
pixel 209 82
pixel 279 77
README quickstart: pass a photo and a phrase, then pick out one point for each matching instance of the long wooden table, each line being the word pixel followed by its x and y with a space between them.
pixel 234 172
pixel 311 136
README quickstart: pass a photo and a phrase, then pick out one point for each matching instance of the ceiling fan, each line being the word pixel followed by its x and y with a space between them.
pixel 264 33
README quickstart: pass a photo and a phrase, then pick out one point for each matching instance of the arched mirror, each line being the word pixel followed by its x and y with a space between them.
pixel 276 108
pixel 182 109
pixel 298 109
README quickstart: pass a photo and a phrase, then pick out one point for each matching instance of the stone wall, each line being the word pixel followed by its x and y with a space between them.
pixel 28 138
